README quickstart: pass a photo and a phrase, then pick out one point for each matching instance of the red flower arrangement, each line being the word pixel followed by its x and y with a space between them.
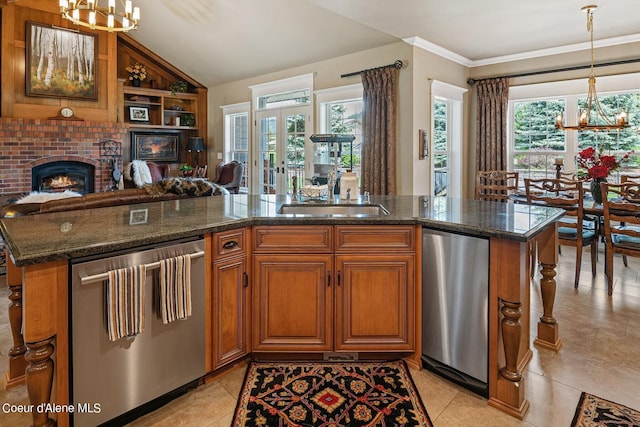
pixel 598 166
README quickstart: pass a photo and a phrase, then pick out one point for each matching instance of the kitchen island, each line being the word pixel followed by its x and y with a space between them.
pixel 43 245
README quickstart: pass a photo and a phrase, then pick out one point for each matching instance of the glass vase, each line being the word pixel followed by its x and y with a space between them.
pixel 596 192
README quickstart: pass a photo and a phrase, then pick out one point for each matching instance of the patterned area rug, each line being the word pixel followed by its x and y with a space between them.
pixel 329 394
pixel 593 411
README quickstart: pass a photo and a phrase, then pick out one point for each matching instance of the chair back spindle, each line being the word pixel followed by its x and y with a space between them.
pixel 495 185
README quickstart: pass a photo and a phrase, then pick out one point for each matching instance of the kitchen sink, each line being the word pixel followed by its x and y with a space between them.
pixel 340 210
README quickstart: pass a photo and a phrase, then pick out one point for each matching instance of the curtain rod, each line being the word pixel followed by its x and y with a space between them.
pixel 398 64
pixel 471 82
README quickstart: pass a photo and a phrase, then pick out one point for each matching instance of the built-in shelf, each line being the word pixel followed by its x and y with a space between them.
pixel 159 108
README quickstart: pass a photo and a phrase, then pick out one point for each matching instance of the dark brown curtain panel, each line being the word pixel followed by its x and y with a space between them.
pixel 491 124
pixel 379 131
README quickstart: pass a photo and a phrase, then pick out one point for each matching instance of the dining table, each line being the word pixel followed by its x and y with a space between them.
pixel 590 206
pixel 591 209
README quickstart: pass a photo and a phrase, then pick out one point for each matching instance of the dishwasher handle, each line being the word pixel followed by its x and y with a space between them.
pixel 85 280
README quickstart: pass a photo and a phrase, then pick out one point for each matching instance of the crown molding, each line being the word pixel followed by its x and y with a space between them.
pixel 447 54
pixel 438 50
pixel 559 50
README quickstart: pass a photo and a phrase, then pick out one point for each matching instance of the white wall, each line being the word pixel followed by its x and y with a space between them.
pixel 428 66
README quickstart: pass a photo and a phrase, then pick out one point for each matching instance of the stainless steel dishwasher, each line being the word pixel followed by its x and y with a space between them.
pixel 133 375
pixel 455 308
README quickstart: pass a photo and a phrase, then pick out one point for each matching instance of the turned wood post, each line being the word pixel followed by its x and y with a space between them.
pixel 548 334
pixel 40 378
pixel 509 315
pixel 511 333
pixel 17 364
pixel 45 320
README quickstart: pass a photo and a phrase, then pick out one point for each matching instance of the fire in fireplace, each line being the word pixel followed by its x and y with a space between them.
pixel 59 176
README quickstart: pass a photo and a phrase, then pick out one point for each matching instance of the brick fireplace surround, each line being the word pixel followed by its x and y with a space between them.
pixel 25 143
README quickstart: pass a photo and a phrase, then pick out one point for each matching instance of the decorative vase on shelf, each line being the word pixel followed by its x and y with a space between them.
pixel 596 192
pixel 136 82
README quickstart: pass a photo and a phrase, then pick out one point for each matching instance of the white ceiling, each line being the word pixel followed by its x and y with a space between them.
pixel 218 41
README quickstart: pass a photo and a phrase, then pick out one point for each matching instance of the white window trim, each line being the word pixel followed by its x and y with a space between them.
pixel 233 109
pixel 304 81
pixel 332 95
pixel 447 90
pixel 339 93
pixel 605 85
pixel 240 107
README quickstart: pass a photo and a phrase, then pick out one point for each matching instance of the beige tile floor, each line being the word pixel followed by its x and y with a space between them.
pixel 600 355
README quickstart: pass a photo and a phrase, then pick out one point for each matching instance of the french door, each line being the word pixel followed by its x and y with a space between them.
pixel 280 140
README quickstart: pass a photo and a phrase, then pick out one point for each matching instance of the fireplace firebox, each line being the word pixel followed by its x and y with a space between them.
pixel 53 177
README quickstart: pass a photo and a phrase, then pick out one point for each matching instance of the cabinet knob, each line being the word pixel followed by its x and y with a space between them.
pixel 245 279
pixel 338 277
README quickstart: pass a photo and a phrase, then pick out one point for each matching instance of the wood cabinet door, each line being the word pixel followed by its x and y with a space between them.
pixel 374 302
pixel 292 302
pixel 230 303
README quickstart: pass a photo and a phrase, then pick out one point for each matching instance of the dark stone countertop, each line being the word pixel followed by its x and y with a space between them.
pixel 41 238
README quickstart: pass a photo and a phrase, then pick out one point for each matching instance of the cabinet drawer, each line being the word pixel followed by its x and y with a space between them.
pixel 359 238
pixel 293 239
pixel 229 243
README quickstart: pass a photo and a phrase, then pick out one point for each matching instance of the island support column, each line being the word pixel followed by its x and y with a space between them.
pixel 45 308
pixel 548 335
pixel 17 364
pixel 509 350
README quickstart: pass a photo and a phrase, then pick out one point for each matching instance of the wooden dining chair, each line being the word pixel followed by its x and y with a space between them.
pixel 629 178
pixel 621 208
pixel 495 185
pixel 573 229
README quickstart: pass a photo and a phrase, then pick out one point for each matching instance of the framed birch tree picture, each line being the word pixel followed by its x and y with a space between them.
pixel 60 63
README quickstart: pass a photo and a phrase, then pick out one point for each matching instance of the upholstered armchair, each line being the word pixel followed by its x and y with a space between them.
pixel 157 172
pixel 229 175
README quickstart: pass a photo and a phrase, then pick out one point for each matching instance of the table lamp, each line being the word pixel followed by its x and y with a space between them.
pixel 196 144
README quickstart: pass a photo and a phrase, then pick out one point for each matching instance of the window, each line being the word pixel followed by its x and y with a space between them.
pixel 535 144
pixel 236 138
pixel 440 147
pixel 345 117
pixel 446 139
pixel 340 112
pixel 614 141
pixel 286 99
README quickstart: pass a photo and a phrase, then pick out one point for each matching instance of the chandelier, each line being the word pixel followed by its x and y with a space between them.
pixel 83 13
pixel 593 104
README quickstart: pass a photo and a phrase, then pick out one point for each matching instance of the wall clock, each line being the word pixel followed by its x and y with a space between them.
pixel 65 113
